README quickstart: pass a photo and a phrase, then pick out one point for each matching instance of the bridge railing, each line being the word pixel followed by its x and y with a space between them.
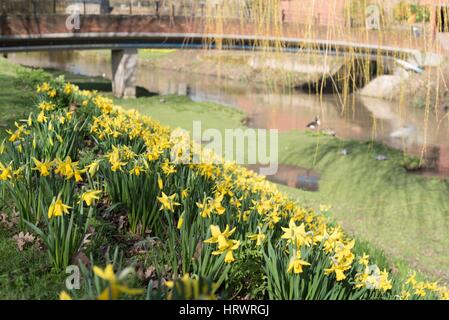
pixel 179 8
pixel 217 18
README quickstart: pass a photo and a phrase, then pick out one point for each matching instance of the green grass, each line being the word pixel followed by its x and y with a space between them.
pixel 26 274
pixel 181 111
pixel 147 54
pixel 14 102
pixel 406 215
pixel 155 53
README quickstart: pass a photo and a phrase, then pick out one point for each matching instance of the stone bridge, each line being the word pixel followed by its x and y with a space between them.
pixel 124 34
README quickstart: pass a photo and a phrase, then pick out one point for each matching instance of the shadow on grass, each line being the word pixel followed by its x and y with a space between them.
pixel 99 84
pixel 107 87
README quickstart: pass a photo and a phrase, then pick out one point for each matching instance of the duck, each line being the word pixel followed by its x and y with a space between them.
pixel 314 124
pixel 245 121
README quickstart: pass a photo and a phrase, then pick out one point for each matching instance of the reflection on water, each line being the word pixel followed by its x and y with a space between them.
pixel 362 118
pixel 293 176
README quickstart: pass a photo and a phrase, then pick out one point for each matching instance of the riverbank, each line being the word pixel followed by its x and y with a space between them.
pixel 357 186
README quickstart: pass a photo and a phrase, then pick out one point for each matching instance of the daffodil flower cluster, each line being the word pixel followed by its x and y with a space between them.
pixel 132 166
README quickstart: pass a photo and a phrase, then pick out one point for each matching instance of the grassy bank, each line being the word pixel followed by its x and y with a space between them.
pixel 109 165
pixel 357 186
pixel 405 215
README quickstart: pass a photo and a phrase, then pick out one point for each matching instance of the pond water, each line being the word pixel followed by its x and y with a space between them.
pixel 395 124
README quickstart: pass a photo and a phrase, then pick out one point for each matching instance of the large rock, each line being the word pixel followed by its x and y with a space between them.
pixel 386 86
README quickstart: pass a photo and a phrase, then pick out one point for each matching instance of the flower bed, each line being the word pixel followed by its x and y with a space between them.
pixel 78 158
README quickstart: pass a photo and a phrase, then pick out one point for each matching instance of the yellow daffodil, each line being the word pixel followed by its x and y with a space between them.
pixel 43 167
pixel 191 289
pixel 338 269
pixel 167 168
pixel 77 174
pixel 43 88
pixel 68 89
pixel 225 245
pixel 69 169
pixel 258 237
pixel 168 202
pixel 137 170
pixel 405 295
pixel 115 288
pixel 5 172
pixel 128 154
pixel 419 291
pixel 184 194
pixel 46 106
pixel 411 279
pixel 160 183
pixel 13 136
pixel 41 118
pixel 325 208
pixel 216 205
pixel 205 207
pixel 57 209
pixel 89 196
pixel 364 260
pixel 69 115
pixel 296 264
pixel 64 296
pixel 180 221
pixel 216 233
pixel 117 166
pixel 296 234
pixel 93 168
pixel 385 283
